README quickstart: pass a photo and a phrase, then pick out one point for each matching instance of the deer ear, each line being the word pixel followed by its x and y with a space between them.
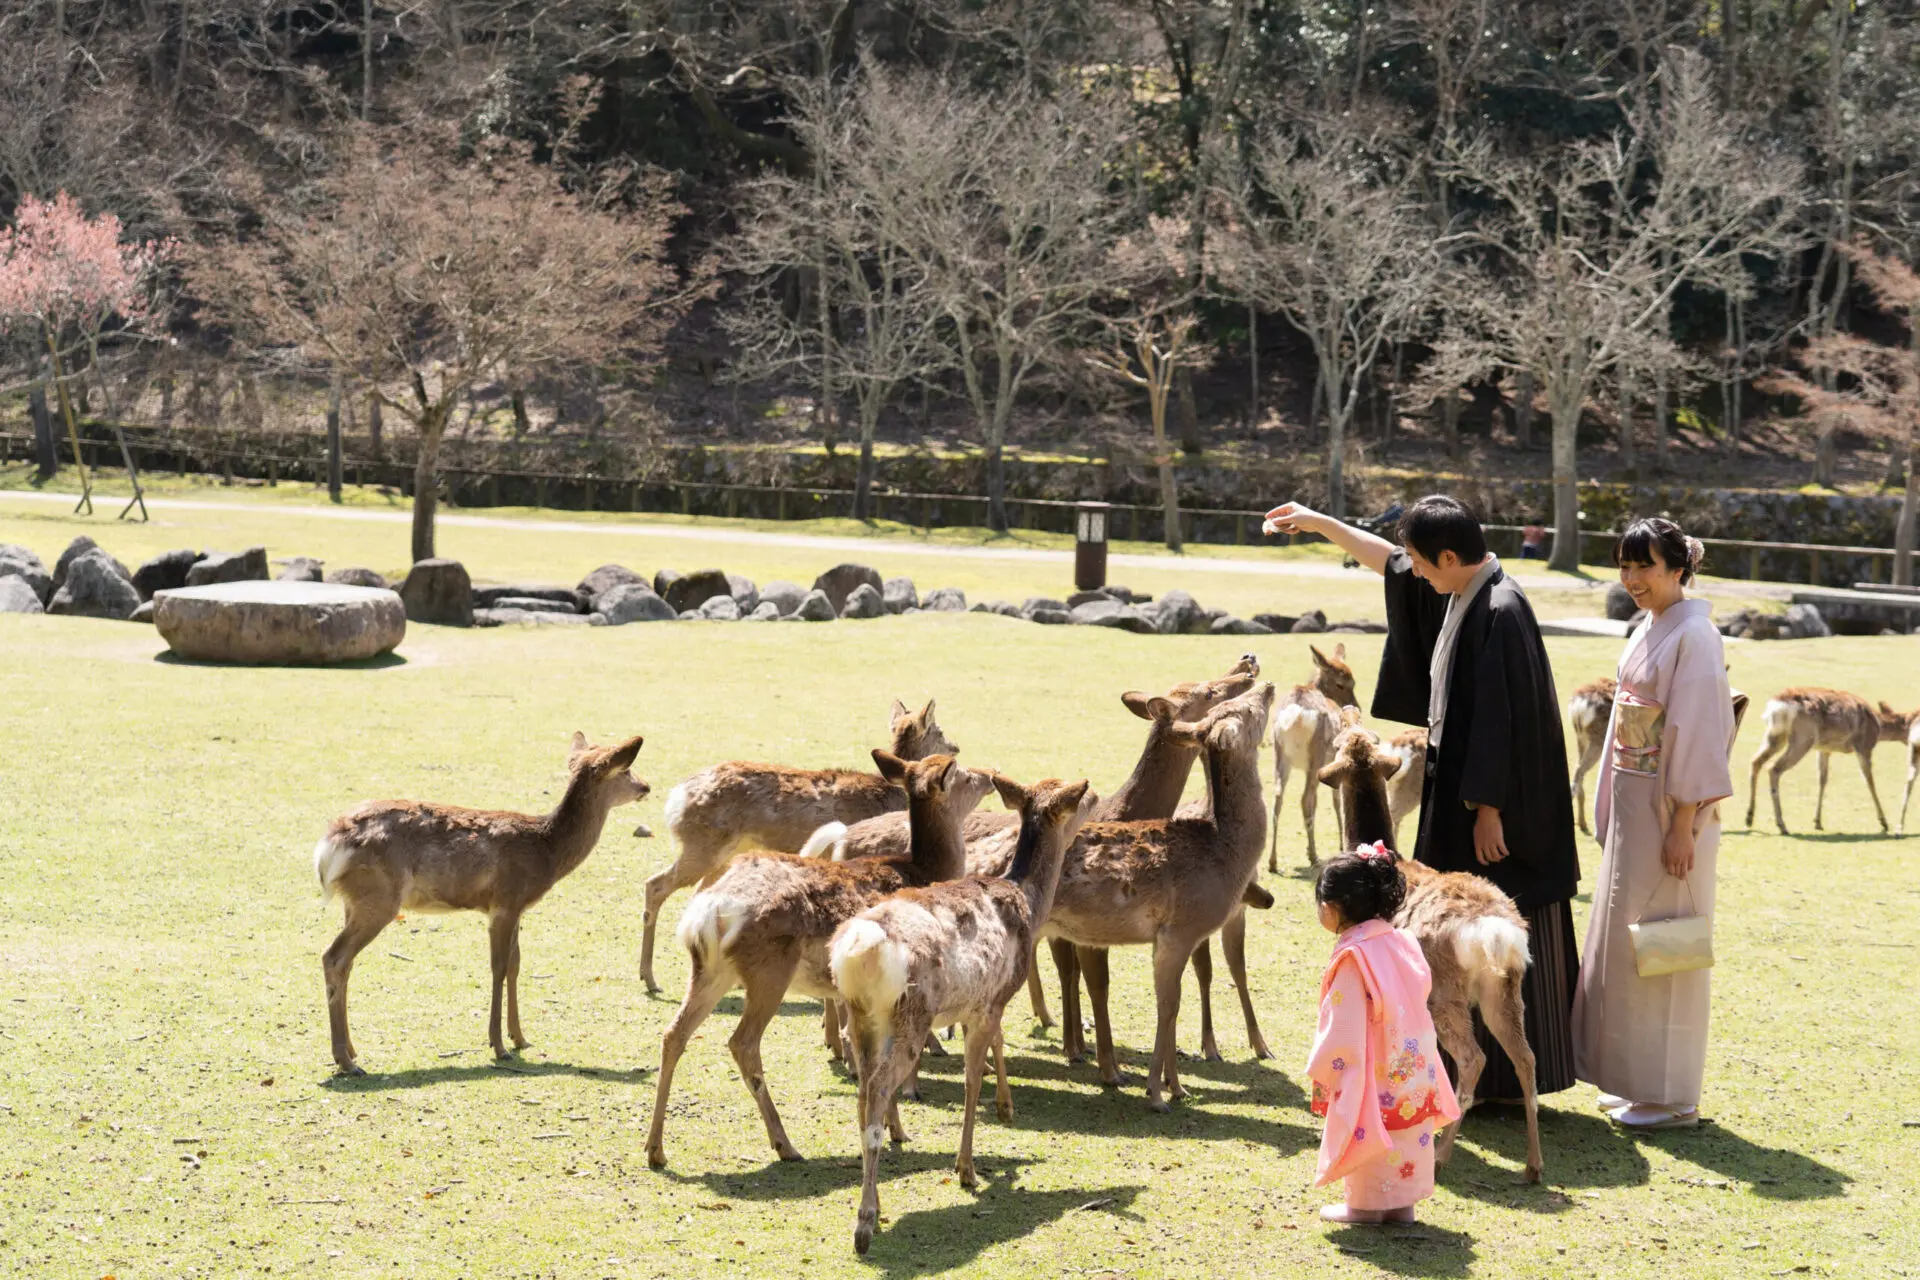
pixel 623 757
pixel 578 745
pixel 891 766
pixel 1340 652
pixel 1137 702
pixel 1012 794
pixel 1073 797
pixel 1385 766
pixel 1319 658
pixel 1335 774
pixel 926 713
pixel 946 779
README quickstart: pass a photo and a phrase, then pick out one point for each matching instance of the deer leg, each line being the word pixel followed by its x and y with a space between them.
pixel 1505 1013
pixel 1203 975
pixel 876 1098
pixel 1913 771
pixel 1093 963
pixel 1866 771
pixel 1309 806
pixel 1002 1095
pixel 705 986
pixel 1279 794
pixel 1768 748
pixel 1233 943
pixel 1793 755
pixel 513 992
pixel 1820 796
pixel 830 1027
pixel 663 884
pixel 365 918
pixel 1066 963
pixel 979 1039
pixel 763 1002
pixel 1453 1028
pixel 1038 993
pixel 501 927
pixel 1169 963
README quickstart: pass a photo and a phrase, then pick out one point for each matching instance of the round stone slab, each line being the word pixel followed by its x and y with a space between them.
pixel 305 623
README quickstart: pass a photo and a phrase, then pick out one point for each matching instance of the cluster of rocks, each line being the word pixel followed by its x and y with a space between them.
pixel 1799 622
pixel 1174 614
pixel 87 582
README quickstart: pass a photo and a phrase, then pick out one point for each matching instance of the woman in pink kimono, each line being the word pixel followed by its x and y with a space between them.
pixel 1375 1068
pixel 1643 1041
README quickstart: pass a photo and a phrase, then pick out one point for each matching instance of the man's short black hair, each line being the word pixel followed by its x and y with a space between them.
pixel 1438 523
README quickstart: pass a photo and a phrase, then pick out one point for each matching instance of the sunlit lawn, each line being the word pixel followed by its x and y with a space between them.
pixel 166 1095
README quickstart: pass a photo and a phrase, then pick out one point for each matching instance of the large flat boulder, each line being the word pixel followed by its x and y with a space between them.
pixel 558 599
pixel 95 587
pixel 839 582
pixel 238 566
pixel 438 591
pixel 165 572
pixel 292 623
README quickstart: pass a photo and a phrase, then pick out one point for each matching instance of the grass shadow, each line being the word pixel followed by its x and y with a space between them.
pixel 422 1077
pixel 1835 837
pixel 930 1241
pixel 379 662
pixel 784 1181
pixel 1581 1149
pixel 1417 1249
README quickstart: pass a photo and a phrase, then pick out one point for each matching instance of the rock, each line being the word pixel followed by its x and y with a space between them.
pixel 1111 613
pixel 743 592
pixel 1047 617
pixel 358 577
pixel 664 578
pixel 1280 622
pixel 600 619
pixel 1079 598
pixel 301 569
pixel 1231 626
pixel 239 566
pixel 165 572
pixel 19 562
pixel 898 595
pixel 784 596
pixel 533 618
pixel 18 596
pixel 95 587
pixel 144 613
pixel 864 601
pixel 632 602
pixel 817 607
pixel 691 590
pixel 79 547
pixel 555 599
pixel 301 623
pixel 765 611
pixel 527 604
pixel 719 609
pixel 945 600
pixel 1178 613
pixel 438 591
pixel 688 615
pixel 1360 628
pixel 1620 605
pixel 609 576
pixel 1312 622
pixel 1042 603
pixel 839 582
pixel 1805 622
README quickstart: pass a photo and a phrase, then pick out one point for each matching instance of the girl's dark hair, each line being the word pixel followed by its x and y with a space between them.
pixel 1361 888
pixel 1644 537
pixel 1438 523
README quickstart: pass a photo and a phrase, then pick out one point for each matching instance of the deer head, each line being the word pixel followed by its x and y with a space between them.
pixel 915 734
pixel 1194 699
pixel 1332 676
pixel 1894 725
pixel 936 778
pixel 607 770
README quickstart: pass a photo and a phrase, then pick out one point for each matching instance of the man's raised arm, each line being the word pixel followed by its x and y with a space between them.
pixel 1368 549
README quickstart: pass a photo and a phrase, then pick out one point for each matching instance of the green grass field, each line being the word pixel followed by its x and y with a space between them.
pixel 166 1094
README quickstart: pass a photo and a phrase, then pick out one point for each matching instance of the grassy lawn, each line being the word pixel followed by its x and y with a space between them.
pixel 166 1098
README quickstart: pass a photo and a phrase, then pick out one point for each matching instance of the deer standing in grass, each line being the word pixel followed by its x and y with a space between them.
pixel 393 855
pixel 1832 723
pixel 1304 727
pixel 1474 938
pixel 739 804
pixel 1590 710
pixel 1403 788
pixel 1913 770
pixel 765 924
pixel 948 953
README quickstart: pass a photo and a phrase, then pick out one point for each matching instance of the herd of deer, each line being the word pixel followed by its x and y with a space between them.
pixel 889 898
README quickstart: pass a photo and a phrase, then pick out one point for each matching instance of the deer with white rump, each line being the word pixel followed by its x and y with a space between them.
pixel 1831 722
pixel 948 953
pixel 393 855
pixel 741 804
pixel 1304 726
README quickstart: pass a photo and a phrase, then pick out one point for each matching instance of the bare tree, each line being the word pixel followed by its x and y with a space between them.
pixel 445 271
pixel 1587 251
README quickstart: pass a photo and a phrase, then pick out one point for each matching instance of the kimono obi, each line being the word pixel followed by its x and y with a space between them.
pixel 1638 727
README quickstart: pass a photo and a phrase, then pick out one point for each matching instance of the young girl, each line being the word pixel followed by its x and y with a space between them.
pixel 1375 1068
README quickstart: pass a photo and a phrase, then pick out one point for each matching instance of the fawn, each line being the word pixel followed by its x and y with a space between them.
pixel 1913 771
pixel 765 923
pixel 1590 710
pixel 954 952
pixel 730 806
pixel 1404 787
pixel 1830 722
pixel 1474 938
pixel 392 855
pixel 1304 727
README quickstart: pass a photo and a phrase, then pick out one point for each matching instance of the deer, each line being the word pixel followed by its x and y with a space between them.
pixel 731 806
pixel 387 856
pixel 1304 727
pixel 1473 936
pixel 1913 771
pixel 1404 787
pixel 1590 710
pixel 1828 721
pixel 765 923
pixel 1168 883
pixel 953 952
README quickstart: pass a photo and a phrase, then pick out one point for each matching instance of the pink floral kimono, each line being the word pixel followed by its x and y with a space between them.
pixel 1376 1070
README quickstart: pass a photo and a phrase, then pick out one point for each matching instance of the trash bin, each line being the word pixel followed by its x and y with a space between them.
pixel 1090 545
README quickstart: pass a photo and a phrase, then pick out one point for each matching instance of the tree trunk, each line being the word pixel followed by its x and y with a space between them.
pixel 863 480
pixel 46 454
pixel 366 58
pixel 1627 460
pixel 1253 362
pixel 333 437
pixel 374 411
pixel 996 489
pixel 1566 484
pixel 1337 464
pixel 1903 531
pixel 1660 421
pixel 1523 394
pixel 1450 420
pixel 1190 441
pixel 426 480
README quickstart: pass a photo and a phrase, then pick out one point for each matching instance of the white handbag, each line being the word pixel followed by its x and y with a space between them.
pixel 1675 945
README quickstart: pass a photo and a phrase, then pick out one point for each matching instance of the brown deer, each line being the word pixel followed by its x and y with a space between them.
pixel 393 855
pixel 1590 710
pixel 1404 787
pixel 1304 727
pixel 765 923
pixel 1830 722
pixel 1913 771
pixel 948 953
pixel 1167 884
pixel 1474 938
pixel 737 805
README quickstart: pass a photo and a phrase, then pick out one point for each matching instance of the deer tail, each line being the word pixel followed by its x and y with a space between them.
pixel 870 969
pixel 825 842
pixel 676 808
pixel 1491 944
pixel 709 925
pixel 330 859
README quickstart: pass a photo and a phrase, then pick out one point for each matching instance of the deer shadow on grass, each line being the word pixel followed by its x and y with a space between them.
pixel 785 1181
pixel 929 1241
pixel 1582 1150
pixel 1416 1249
pixel 425 1077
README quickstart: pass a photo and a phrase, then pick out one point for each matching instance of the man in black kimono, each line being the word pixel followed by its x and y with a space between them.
pixel 1464 657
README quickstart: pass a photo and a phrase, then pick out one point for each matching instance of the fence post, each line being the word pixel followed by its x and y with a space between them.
pixel 592 485
pixel 1813 568
pixel 1753 564
pixel 540 491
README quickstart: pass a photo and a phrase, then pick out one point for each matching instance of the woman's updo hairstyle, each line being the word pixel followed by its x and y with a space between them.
pixel 1656 533
pixel 1363 885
